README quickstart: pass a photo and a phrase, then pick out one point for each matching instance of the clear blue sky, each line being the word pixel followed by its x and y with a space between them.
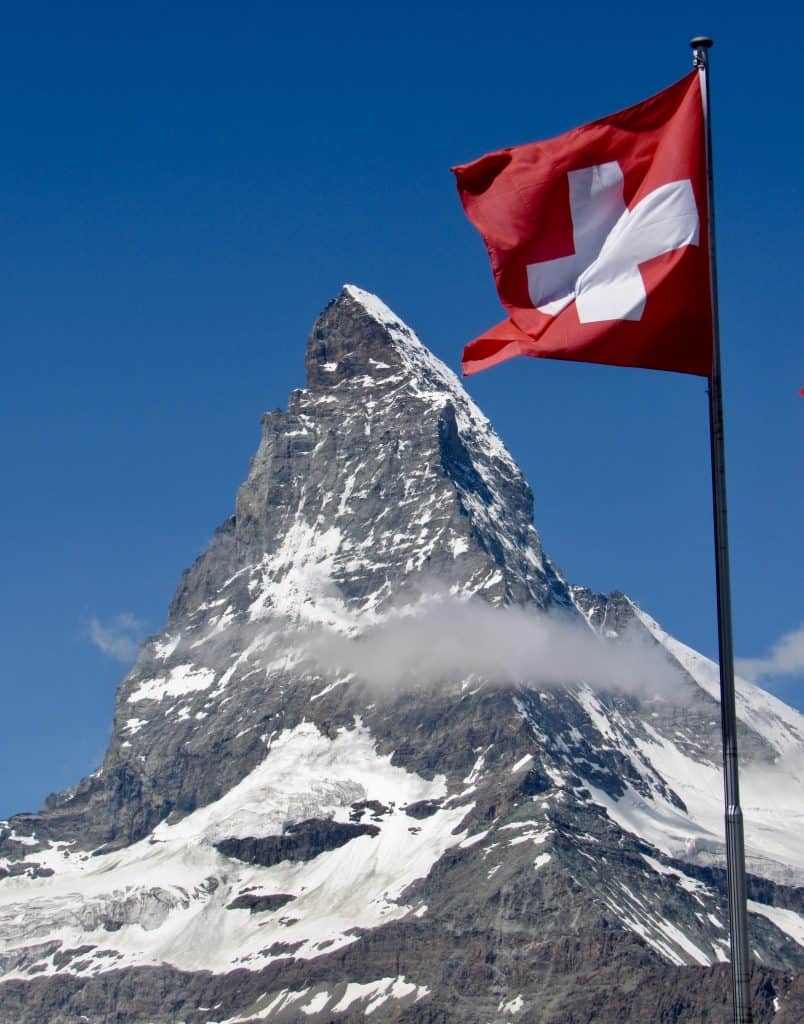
pixel 183 187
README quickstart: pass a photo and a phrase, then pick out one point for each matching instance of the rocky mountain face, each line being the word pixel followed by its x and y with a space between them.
pixel 297 819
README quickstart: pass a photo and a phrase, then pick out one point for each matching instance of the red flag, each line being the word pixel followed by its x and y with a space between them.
pixel 598 240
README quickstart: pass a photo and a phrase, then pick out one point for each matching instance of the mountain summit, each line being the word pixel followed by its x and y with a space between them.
pixel 385 469
pixel 321 801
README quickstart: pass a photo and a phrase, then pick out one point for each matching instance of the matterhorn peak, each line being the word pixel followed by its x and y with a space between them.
pixel 359 338
pixel 376 308
pixel 382 472
pixel 278 834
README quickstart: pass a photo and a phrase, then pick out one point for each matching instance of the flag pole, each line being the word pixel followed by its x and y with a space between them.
pixel 735 843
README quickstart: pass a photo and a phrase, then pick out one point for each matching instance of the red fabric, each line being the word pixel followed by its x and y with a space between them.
pixel 519 201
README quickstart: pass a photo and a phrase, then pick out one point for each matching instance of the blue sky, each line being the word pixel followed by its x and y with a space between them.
pixel 183 189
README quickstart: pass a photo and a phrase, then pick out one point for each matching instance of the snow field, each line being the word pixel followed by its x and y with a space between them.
pixel 173 887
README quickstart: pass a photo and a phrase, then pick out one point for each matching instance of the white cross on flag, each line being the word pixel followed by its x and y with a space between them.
pixel 597 240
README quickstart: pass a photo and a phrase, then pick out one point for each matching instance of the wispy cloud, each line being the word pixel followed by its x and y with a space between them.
pixel 785 658
pixel 119 638
pixel 440 641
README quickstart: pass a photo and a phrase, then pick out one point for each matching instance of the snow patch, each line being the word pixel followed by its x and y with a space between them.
pixel 787 921
pixel 459 545
pixel 182 679
pixel 320 1000
pixel 375 993
pixel 512 1006
pixel 164 647
pixel 296 581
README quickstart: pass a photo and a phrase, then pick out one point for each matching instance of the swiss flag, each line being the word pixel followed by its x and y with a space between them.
pixel 598 240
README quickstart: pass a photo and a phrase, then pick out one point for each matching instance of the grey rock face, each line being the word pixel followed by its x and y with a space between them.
pixel 271 837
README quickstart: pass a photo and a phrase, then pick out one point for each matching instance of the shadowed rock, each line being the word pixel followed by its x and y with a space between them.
pixel 299 842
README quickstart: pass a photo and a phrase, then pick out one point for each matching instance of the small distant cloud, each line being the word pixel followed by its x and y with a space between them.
pixel 785 658
pixel 120 638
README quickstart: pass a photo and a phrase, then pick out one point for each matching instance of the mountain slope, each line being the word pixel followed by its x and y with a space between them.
pixel 297 820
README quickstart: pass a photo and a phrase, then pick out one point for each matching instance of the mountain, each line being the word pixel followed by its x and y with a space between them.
pixel 385 761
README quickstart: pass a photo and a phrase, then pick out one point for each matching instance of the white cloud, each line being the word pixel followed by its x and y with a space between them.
pixel 120 638
pixel 438 640
pixel 442 640
pixel 785 658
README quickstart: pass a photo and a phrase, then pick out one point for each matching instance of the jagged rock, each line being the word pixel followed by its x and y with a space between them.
pixel 422 809
pixel 258 904
pixel 302 841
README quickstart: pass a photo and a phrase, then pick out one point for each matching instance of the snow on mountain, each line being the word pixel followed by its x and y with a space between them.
pixel 772 763
pixel 781 725
pixel 169 892
pixel 773 828
pixel 271 837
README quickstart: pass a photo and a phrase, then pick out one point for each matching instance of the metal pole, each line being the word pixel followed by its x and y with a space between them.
pixel 735 843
